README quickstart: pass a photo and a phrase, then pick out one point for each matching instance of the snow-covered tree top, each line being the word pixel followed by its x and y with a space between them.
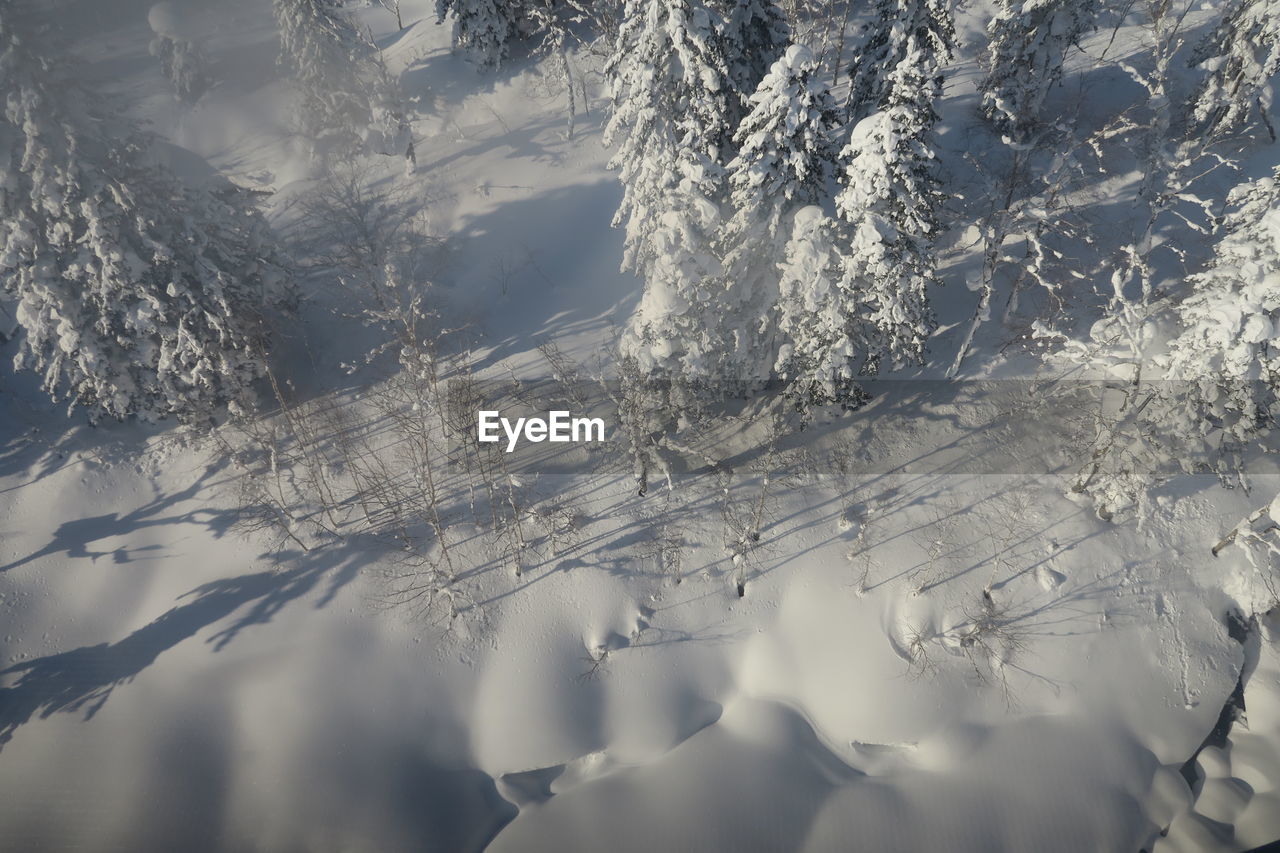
pixel 167 19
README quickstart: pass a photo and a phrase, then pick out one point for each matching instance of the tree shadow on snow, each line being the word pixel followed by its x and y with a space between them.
pixel 83 679
pixel 544 285
pixel 74 538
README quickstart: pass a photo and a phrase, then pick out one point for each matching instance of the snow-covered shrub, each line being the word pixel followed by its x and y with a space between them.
pixel 374 243
pixel 1029 41
pixel 1240 57
pixel 136 295
pixel 654 414
pixel 347 98
pixel 785 158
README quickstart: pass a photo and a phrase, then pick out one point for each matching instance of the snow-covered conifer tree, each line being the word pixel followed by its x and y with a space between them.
pixel 1241 56
pixel 135 295
pixel 900 28
pixel 1029 42
pixel 347 97
pixel 482 29
pixel 184 65
pixel 183 62
pixel 1228 349
pixel 785 157
pixel 753 35
pixel 670 125
pixel 822 335
pixel 889 202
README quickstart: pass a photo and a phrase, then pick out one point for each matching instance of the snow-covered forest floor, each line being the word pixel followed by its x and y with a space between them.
pixel 930 646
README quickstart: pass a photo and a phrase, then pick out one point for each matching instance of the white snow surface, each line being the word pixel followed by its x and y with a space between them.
pixel 167 683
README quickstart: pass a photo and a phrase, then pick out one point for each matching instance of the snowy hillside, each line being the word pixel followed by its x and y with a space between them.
pixel 935 349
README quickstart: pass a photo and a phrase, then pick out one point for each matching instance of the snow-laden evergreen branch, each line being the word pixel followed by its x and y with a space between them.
pixel 347 100
pixel 1029 43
